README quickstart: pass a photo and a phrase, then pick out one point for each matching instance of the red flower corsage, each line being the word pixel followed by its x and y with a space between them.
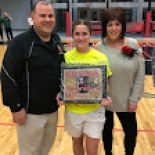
pixel 128 51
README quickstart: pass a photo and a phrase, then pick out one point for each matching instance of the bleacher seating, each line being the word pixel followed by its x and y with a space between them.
pixel 96 27
pixel 135 27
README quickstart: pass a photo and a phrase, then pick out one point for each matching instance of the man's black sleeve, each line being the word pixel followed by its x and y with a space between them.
pixel 11 75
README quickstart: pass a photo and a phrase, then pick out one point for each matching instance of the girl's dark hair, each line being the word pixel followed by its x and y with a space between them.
pixel 82 22
pixel 110 14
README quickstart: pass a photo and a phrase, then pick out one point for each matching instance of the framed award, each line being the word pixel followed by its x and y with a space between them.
pixel 83 83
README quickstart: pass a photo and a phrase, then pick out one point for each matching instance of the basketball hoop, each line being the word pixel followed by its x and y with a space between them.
pixel 88 4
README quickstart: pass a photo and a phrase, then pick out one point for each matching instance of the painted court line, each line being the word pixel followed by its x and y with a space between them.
pixel 120 130
pixel 61 126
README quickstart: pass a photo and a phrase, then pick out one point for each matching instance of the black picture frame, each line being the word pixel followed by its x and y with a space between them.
pixel 83 83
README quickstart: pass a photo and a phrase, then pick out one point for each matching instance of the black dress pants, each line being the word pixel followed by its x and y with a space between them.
pixel 129 124
pixel 9 33
pixel 1 33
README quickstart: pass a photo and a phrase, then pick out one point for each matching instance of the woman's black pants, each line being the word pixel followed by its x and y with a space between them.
pixel 129 124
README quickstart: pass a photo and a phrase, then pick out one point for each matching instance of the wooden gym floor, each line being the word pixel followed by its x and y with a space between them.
pixel 63 143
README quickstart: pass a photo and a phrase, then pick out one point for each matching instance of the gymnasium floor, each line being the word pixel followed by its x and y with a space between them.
pixel 63 143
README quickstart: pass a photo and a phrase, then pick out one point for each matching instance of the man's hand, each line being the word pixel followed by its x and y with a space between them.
pixel 19 117
pixel 59 102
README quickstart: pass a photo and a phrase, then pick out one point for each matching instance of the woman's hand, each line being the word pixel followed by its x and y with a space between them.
pixel 131 108
pixel 106 101
pixel 58 100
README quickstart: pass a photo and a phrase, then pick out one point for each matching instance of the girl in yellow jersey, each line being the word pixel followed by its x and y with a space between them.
pixel 81 118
